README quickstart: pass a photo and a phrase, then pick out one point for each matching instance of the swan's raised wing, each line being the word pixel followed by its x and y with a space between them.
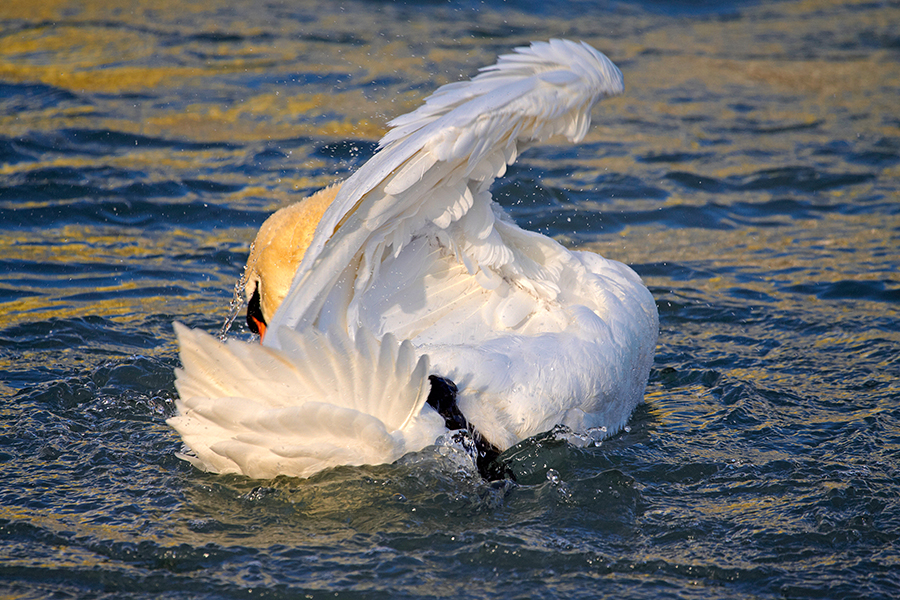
pixel 433 171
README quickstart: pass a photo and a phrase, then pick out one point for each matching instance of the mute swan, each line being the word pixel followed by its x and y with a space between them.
pixel 408 275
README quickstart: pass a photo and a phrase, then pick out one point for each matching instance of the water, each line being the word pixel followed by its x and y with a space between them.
pixel 750 174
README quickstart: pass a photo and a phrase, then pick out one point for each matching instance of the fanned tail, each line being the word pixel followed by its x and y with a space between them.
pixel 314 404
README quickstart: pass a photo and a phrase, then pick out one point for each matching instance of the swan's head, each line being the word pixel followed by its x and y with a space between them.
pixel 276 253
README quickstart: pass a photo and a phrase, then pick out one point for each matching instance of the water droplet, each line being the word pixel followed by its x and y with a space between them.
pixel 234 308
pixel 553 476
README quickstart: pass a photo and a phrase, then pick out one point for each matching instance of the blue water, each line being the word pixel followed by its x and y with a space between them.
pixel 750 174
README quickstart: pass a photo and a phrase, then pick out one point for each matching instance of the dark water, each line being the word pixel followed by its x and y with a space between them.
pixel 751 175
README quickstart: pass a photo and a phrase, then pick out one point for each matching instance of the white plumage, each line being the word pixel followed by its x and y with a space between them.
pixel 413 270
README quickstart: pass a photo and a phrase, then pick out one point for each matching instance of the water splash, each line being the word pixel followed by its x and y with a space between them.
pixel 234 308
pixel 592 437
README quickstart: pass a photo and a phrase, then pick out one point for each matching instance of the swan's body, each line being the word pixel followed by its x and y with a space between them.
pixel 412 248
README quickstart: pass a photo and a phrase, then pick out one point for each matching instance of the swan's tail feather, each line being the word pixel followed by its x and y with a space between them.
pixel 317 403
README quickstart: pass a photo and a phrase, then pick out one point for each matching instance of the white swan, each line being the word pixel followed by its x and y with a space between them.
pixel 409 269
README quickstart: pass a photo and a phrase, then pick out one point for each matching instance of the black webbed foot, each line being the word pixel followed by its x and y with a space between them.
pixel 442 398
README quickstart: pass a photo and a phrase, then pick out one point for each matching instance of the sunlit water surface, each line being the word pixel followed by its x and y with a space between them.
pixel 750 174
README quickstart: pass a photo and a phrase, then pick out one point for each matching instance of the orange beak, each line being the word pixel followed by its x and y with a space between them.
pixel 260 327
pixel 255 320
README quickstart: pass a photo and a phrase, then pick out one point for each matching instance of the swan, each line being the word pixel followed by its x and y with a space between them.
pixel 404 303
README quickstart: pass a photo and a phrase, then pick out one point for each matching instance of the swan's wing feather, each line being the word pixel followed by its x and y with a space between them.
pixel 434 168
pixel 317 402
pixel 297 441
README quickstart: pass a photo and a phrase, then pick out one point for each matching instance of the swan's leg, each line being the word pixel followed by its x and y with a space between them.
pixel 442 398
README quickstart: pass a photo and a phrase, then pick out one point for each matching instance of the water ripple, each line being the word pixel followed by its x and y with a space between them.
pixel 749 174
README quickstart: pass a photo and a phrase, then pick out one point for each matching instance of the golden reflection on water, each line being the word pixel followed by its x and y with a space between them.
pixel 739 95
pixel 229 76
pixel 83 47
pixel 103 263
